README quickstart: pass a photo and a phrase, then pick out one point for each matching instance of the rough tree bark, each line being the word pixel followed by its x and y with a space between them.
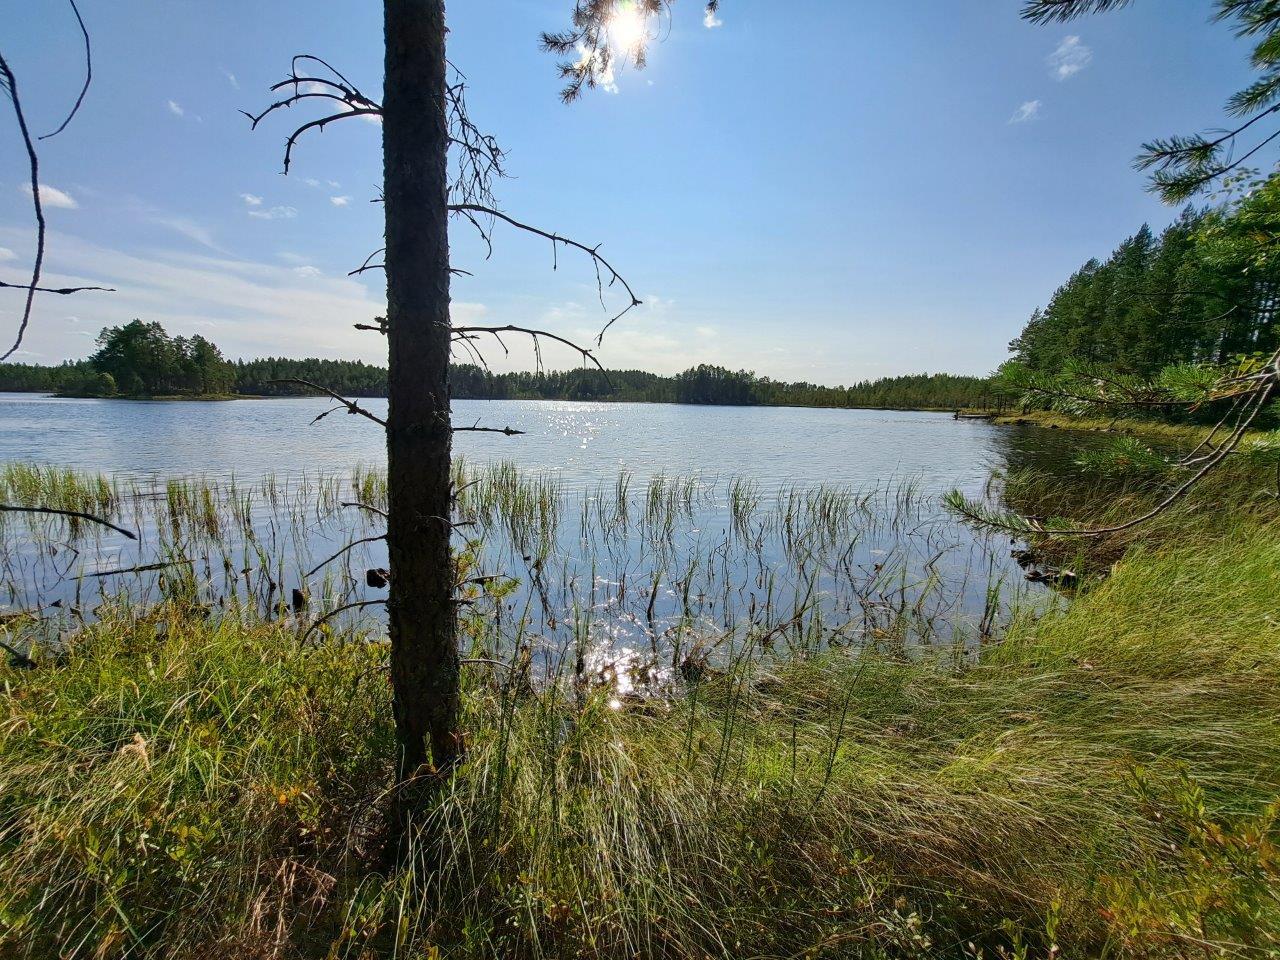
pixel 415 142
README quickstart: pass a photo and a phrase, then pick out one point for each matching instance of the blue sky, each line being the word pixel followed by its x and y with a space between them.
pixel 816 190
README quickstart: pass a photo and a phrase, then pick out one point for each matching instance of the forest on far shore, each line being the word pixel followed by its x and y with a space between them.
pixel 140 360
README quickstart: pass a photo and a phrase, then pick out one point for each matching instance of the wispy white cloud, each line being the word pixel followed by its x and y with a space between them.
pixel 1070 58
pixel 7 254
pixel 711 21
pixel 1028 111
pixel 251 199
pixel 53 197
pixel 274 213
pixel 340 201
pixel 312 182
pixel 308 271
pixel 231 79
pixel 176 108
pixel 247 308
pixel 186 228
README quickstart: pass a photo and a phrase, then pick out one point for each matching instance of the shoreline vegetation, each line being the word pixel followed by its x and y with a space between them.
pixel 261 379
pixel 1159 431
pixel 1034 719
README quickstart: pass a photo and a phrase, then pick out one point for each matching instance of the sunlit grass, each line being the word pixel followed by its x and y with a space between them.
pixel 174 784
pixel 179 776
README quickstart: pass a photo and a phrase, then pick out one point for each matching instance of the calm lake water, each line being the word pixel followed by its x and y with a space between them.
pixel 582 442
pixel 625 529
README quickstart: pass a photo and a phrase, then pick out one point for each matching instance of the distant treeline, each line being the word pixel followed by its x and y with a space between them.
pixel 1205 290
pixel 702 384
pixel 706 384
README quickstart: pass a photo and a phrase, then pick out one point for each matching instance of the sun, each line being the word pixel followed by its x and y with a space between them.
pixel 628 29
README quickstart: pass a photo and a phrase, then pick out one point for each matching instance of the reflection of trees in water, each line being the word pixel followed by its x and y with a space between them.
pixel 1030 461
pixel 1044 472
pixel 1053 452
pixel 1059 452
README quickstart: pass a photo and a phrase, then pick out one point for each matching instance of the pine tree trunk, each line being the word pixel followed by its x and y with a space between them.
pixel 424 650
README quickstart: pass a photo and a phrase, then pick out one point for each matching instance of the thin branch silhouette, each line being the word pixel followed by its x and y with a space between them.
pixel 470 210
pixel 10 84
pixel 61 291
pixel 88 73
pixel 73 514
pixel 350 546
pixel 350 405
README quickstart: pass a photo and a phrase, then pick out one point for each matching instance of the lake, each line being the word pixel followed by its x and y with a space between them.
pixel 635 526
pixel 583 442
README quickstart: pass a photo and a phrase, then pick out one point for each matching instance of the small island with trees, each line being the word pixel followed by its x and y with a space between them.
pixel 141 361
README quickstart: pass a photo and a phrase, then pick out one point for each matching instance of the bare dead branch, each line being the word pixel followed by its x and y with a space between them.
pixel 88 73
pixel 351 405
pixel 470 210
pixel 476 355
pixel 364 506
pixel 74 514
pixel 10 84
pixel 506 431
pixel 476 160
pixel 350 546
pixel 62 291
pixel 341 90
pixel 535 333
pixel 312 58
pixel 255 119
pixel 368 263
pixel 319 125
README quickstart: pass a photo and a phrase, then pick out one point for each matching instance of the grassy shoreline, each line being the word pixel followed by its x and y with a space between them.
pixel 1102 781
pixel 1098 782
pixel 1150 429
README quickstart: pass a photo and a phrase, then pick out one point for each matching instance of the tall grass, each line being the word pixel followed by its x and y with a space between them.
pixel 1101 782
pixel 657 565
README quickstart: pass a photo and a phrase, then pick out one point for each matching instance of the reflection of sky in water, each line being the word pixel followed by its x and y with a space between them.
pixel 582 442
pixel 644 588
